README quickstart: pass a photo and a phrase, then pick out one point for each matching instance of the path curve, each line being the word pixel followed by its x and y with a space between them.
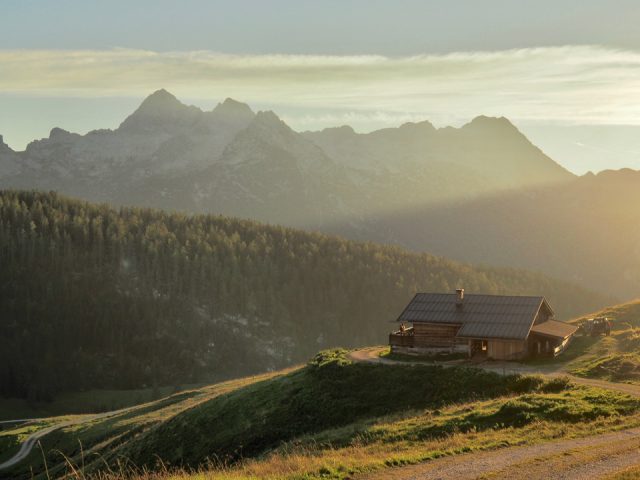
pixel 31 440
pixel 372 355
pixel 27 445
pixel 587 458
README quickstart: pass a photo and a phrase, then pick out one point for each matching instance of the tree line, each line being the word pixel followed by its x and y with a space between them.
pixel 97 297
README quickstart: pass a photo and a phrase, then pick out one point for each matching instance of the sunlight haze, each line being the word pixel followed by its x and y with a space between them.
pixel 519 67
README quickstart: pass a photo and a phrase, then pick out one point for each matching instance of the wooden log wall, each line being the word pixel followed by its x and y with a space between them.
pixel 435 335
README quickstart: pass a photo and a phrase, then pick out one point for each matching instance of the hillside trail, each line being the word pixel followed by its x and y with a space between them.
pixel 570 459
pixel 28 444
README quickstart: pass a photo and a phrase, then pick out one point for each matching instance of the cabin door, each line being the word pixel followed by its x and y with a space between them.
pixel 479 347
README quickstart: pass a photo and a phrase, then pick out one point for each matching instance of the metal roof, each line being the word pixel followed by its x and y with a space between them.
pixel 554 328
pixel 481 316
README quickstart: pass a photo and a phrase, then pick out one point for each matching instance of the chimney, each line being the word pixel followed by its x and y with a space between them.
pixel 459 297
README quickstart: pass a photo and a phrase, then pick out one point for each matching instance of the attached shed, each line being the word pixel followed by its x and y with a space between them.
pixel 494 326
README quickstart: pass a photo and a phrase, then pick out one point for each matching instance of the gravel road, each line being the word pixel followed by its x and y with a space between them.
pixel 571 459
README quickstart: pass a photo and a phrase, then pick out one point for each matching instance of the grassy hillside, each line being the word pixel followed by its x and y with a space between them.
pixel 615 358
pixel 331 419
pixel 97 297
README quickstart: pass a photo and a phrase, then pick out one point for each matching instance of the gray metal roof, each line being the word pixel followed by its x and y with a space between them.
pixel 481 316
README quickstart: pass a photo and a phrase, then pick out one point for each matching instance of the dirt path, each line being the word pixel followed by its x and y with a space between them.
pixel 372 355
pixel 573 459
pixel 27 445
pixel 570 459
pixel 32 440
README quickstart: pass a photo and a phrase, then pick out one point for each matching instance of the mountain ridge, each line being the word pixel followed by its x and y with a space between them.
pixel 212 152
pixel 233 161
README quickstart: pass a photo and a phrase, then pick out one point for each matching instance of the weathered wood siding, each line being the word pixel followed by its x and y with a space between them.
pixel 435 335
pixel 542 316
pixel 506 349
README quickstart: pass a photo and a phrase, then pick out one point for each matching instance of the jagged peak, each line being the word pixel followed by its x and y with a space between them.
pixel 160 97
pixel 423 125
pixel 231 106
pixel 484 121
pixel 3 146
pixel 268 117
pixel 158 109
pixel 57 132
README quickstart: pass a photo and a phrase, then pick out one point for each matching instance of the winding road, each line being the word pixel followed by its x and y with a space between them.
pixel 27 445
pixel 31 440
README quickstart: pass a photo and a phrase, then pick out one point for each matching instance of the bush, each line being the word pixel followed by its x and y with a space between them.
pixel 332 357
pixel 525 383
pixel 557 384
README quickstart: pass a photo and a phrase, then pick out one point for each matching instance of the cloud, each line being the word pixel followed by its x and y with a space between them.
pixel 571 84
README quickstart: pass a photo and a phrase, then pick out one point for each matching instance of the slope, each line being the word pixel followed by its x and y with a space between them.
pixel 94 297
pixel 614 358
pixel 586 230
pixel 333 419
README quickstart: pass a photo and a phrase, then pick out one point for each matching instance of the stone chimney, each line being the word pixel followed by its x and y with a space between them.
pixel 459 297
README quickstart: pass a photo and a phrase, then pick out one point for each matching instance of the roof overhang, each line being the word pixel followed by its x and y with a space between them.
pixel 554 329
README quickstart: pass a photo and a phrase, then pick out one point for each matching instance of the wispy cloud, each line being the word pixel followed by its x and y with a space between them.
pixel 572 84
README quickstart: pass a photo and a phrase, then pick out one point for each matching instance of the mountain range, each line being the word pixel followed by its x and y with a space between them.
pixel 482 192
pixel 236 162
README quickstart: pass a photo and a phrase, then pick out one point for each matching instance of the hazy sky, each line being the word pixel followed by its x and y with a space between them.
pixel 86 64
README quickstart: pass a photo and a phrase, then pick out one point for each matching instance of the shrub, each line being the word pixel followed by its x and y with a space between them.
pixel 556 384
pixel 525 383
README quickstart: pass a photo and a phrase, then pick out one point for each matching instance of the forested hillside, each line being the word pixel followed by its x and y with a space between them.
pixel 92 296
pixel 586 231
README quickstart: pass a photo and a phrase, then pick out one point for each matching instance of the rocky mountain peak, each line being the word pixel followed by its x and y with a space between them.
pixel 484 123
pixel 60 134
pixel 4 148
pixel 160 111
pixel 271 121
pixel 233 107
pixel 425 125
pixel 160 99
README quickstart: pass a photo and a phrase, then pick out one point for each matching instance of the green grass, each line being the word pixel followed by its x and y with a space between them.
pixel 337 417
pixel 553 410
pixel 614 358
pixel 328 393
pixel 8 446
pixel 11 437
pixel 89 440
pixel 438 357
pixel 91 401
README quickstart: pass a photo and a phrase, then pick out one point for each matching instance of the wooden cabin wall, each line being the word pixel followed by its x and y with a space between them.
pixel 506 349
pixel 434 335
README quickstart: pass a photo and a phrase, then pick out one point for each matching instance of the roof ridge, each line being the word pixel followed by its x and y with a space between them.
pixel 481 295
